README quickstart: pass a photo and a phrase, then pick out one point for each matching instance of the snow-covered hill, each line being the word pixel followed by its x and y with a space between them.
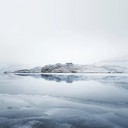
pixel 6 67
pixel 115 65
pixel 121 62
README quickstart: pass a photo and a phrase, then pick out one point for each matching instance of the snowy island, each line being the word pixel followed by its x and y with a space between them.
pixel 119 65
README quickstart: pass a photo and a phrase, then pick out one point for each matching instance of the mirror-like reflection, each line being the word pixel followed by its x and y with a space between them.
pixel 117 79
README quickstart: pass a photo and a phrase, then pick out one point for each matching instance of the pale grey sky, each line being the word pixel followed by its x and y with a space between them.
pixel 38 32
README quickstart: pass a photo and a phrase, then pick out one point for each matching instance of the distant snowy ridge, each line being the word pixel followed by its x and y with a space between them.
pixel 115 65
pixel 25 70
pixel 121 62
pixel 10 67
pixel 7 67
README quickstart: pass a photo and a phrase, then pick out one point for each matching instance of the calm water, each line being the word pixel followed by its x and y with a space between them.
pixel 63 101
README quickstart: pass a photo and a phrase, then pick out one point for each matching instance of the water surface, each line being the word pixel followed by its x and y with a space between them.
pixel 63 101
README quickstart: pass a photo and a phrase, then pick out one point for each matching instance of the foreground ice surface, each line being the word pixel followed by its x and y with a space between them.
pixel 87 102
pixel 48 111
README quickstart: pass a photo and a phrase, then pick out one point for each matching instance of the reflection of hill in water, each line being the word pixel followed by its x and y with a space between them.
pixel 60 78
pixel 118 80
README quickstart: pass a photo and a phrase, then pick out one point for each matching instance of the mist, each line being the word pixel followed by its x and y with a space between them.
pixel 51 31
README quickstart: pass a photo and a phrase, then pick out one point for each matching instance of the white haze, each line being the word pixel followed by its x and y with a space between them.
pixel 38 32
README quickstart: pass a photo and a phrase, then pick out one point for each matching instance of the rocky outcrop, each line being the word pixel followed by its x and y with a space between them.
pixel 62 68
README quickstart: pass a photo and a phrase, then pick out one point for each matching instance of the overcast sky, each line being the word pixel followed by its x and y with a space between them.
pixel 39 32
